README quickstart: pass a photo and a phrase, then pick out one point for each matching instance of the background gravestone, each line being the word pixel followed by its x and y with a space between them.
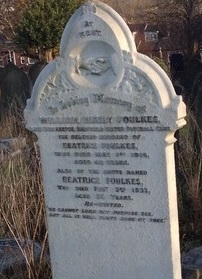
pixel 35 70
pixel 14 87
pixel 105 118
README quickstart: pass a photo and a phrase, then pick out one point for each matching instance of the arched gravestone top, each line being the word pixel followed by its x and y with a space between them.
pixel 105 117
pixel 98 52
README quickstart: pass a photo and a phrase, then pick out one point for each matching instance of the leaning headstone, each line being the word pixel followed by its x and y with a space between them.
pixel 105 118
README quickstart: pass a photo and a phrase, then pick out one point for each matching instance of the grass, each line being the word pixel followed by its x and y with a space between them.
pixel 189 183
pixel 22 210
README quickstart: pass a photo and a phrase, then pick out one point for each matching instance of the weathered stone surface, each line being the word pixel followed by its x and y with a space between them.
pixel 105 118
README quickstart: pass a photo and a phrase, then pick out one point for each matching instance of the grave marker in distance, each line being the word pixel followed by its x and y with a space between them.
pixel 105 118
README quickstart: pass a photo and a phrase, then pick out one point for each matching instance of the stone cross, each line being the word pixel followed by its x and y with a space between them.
pixel 105 117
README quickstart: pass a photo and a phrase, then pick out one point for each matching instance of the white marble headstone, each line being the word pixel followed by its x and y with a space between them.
pixel 105 118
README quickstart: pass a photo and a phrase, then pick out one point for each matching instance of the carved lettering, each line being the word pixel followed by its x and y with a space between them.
pixel 123 181
pixel 103 143
pixel 88 23
pixel 79 145
pixel 80 180
pixel 141 119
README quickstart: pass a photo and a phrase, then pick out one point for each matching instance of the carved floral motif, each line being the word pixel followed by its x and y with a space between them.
pixel 59 93
pixel 134 82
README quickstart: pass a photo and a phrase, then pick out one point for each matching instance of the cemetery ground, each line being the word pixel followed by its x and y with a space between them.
pixel 22 216
pixel 22 211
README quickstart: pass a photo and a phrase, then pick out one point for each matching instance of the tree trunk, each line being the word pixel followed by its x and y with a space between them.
pixel 48 55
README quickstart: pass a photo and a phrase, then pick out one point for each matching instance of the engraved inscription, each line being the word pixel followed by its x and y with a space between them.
pixel 99 173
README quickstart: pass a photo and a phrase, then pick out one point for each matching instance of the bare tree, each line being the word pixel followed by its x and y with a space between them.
pixel 124 7
pixel 10 12
pixel 180 19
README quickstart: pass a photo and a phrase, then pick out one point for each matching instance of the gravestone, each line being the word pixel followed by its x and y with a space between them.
pixel 14 86
pixel 13 256
pixel 105 118
pixel 35 70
